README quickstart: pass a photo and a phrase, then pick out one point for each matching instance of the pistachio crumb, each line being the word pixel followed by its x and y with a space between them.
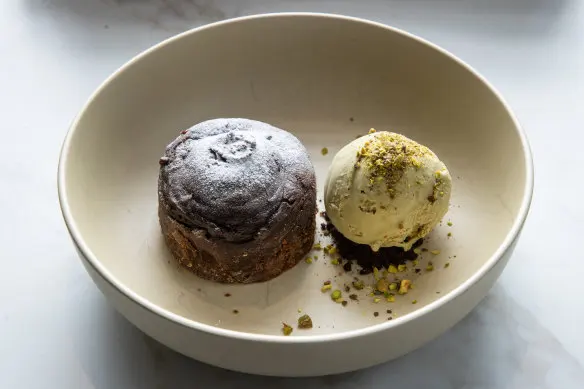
pixel 376 300
pixel 449 224
pixel 317 246
pixel 371 131
pixel 393 286
pixel 392 269
pixel 449 234
pixel 414 301
pixel 336 294
pixel 382 285
pixel 334 261
pixel 401 268
pixel 376 273
pixel 324 151
pixel 404 286
pixel 326 287
pixel 304 322
pixel 390 298
pixel 430 266
pixel 286 329
pixel 358 284
pixel 447 265
pixel 435 252
pixel 308 260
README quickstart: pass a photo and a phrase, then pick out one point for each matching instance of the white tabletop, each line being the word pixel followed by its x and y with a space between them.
pixel 57 330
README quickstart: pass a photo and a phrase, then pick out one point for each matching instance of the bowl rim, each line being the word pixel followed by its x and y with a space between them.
pixel 100 269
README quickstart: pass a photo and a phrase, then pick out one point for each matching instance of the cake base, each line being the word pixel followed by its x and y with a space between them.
pixel 257 260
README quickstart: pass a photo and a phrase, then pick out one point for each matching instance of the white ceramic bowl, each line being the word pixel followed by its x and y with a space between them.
pixel 326 79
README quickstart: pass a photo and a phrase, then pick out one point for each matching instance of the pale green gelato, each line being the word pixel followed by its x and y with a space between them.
pixel 384 189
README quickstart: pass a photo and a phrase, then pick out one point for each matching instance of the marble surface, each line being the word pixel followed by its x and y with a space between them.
pixel 56 329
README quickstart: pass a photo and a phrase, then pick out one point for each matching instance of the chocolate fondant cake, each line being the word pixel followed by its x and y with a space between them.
pixel 237 200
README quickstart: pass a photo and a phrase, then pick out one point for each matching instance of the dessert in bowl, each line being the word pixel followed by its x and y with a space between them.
pixel 326 80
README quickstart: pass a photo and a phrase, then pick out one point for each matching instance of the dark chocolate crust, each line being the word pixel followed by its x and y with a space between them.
pixel 237 200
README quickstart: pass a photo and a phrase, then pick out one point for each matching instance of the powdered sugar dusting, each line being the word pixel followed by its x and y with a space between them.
pixel 233 177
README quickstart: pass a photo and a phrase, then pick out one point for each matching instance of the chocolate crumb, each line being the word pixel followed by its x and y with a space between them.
pixel 353 297
pixel 389 311
pixel 347 266
pixel 351 119
pixel 235 311
pixel 375 314
pixel 227 294
pixel 344 303
pixel 347 288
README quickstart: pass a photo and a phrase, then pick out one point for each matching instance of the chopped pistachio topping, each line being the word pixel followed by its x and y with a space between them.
pixel 335 261
pixel 317 246
pixel 388 155
pixel 430 266
pixel 376 300
pixel 326 287
pixel 393 286
pixel 324 151
pixel 392 269
pixel 449 224
pixel 447 265
pixel 402 268
pixel 308 260
pixel 390 298
pixel 435 252
pixel 336 294
pixel 414 301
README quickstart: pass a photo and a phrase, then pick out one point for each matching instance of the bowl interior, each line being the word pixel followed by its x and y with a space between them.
pixel 326 80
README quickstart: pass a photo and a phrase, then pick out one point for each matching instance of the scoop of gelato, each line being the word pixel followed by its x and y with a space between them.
pixel 386 190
